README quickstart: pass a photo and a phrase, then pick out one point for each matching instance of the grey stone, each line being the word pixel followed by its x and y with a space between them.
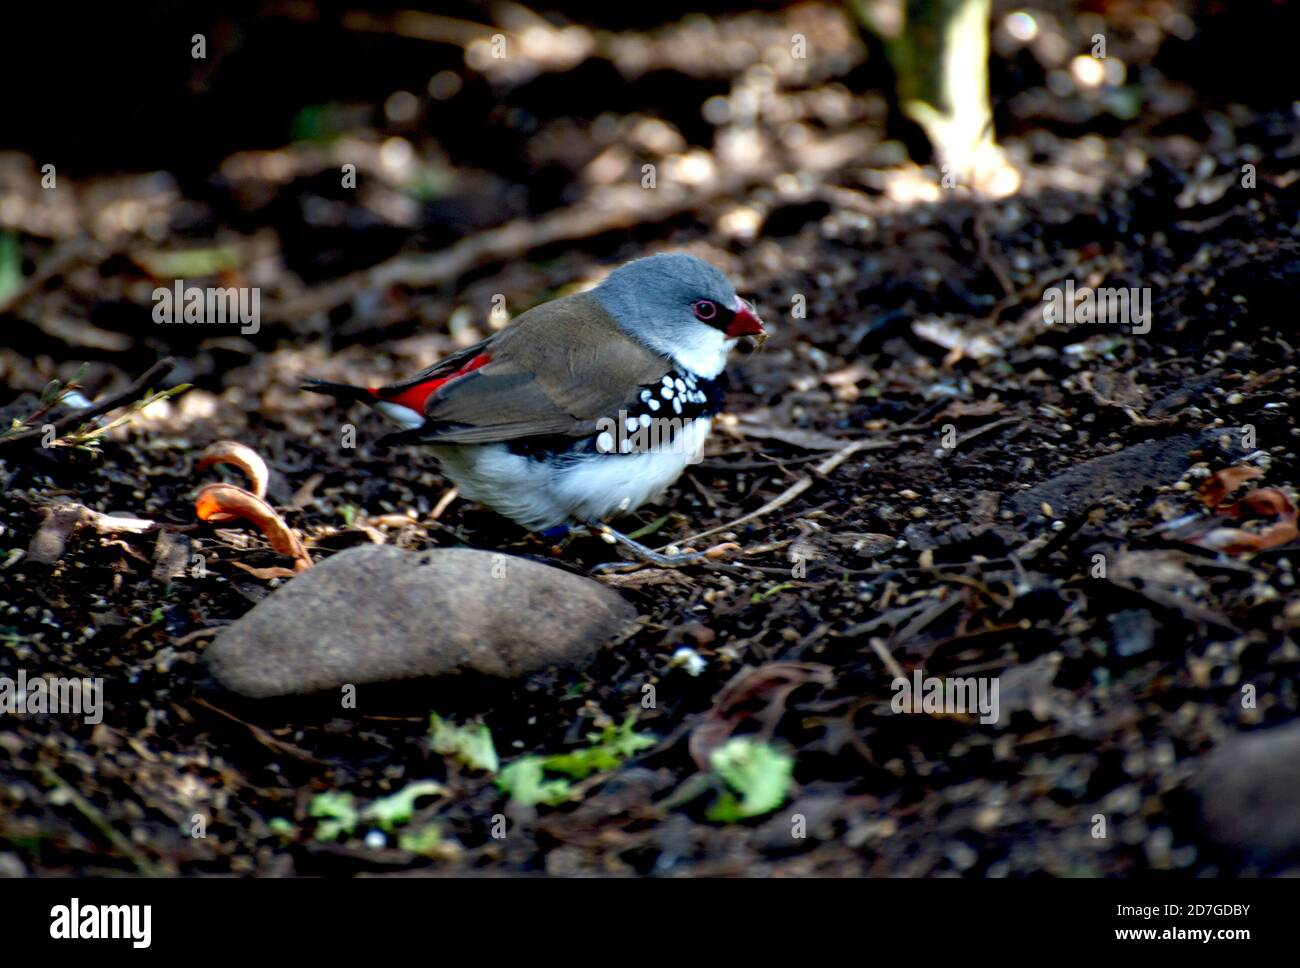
pixel 1249 790
pixel 380 614
pixel 1122 474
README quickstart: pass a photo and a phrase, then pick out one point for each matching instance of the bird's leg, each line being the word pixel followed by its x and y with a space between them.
pixel 559 538
pixel 643 554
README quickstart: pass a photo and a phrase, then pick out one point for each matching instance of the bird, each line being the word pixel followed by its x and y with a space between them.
pixel 585 407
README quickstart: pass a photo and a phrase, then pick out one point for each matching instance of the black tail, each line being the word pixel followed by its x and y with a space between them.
pixel 342 391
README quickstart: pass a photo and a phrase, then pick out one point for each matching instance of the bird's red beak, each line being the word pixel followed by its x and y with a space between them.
pixel 746 323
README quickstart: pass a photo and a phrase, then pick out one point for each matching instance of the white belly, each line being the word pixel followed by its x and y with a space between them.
pixel 540 495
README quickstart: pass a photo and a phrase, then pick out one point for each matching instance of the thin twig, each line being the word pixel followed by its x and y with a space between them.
pixel 444 502
pixel 786 496
pixel 262 736
pixel 145 380
pixel 988 428
pixel 891 664
pixel 88 810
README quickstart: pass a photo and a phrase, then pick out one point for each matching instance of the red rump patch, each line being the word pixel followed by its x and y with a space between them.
pixel 414 397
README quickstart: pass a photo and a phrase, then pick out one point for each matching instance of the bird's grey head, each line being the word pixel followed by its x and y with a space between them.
pixel 680 306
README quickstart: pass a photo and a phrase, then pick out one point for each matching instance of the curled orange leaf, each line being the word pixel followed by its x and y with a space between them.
pixel 226 502
pixel 237 455
pixel 721 550
pixel 1214 490
pixel 1265 502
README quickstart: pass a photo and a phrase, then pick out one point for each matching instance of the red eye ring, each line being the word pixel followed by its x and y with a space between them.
pixel 705 310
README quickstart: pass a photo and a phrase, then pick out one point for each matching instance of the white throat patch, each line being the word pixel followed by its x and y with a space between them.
pixel 705 354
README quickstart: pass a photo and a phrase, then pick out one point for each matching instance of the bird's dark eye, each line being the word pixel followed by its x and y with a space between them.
pixel 706 310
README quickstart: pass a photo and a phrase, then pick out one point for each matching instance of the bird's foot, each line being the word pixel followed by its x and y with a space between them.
pixel 642 554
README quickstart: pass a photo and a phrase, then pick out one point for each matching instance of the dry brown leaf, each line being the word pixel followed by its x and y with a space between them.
pixel 241 456
pixel 959 409
pixel 1117 390
pixel 123 546
pixel 1270 500
pixel 61 520
pixel 1214 490
pixel 116 523
pixel 959 343
pixel 51 538
pixel 226 502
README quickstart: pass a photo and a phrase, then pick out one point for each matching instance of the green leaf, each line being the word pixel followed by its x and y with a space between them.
pixel 610 746
pixel 650 528
pixel 189 263
pixel 758 597
pixel 471 745
pixel 758 772
pixel 337 811
pixel 421 840
pixel 523 780
pixel 392 811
